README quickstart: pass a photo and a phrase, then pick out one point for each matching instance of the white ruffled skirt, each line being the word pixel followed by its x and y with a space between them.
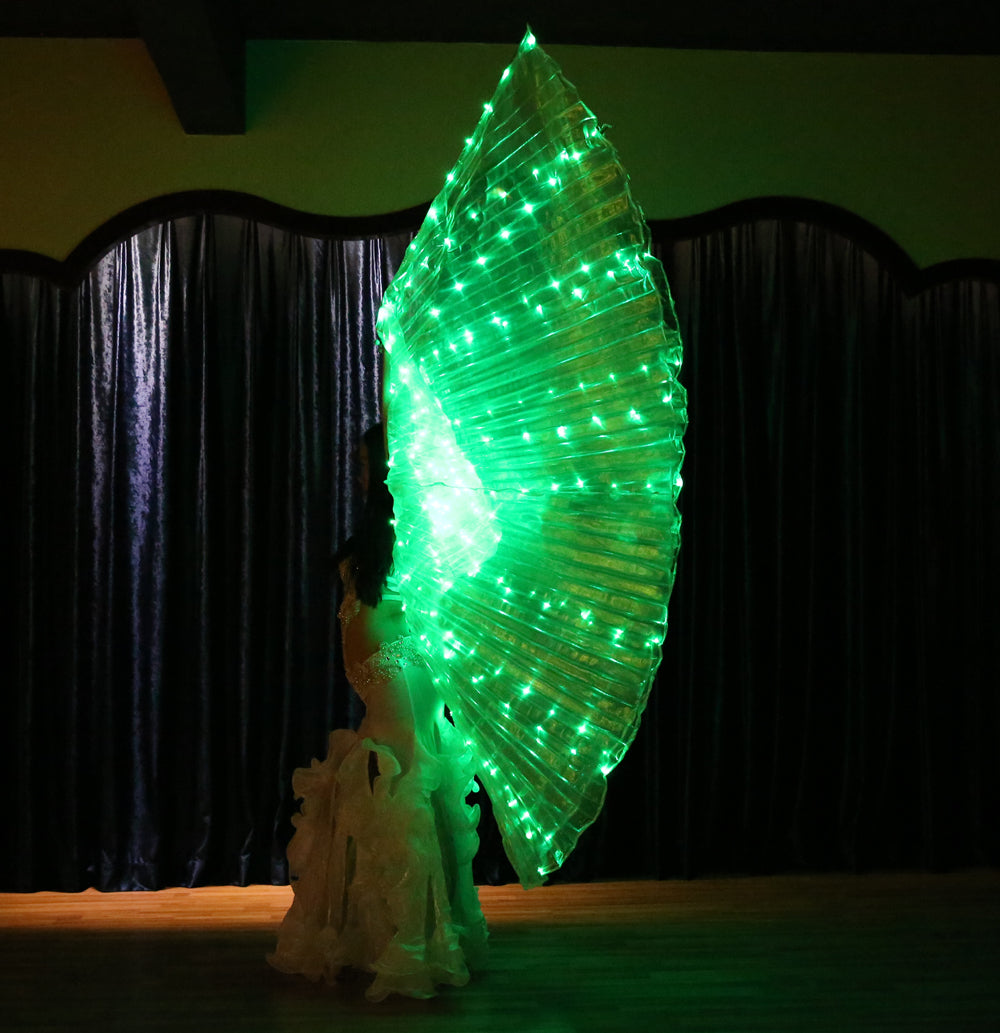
pixel 381 865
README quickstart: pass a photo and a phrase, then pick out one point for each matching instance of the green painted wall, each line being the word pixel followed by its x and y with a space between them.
pixel 910 143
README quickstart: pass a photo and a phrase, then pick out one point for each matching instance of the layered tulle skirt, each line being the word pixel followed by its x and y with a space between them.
pixel 381 865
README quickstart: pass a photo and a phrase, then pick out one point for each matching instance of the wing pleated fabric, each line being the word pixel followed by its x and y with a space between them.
pixel 536 427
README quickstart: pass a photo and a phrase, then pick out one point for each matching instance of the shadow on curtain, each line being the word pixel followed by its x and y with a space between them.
pixel 181 429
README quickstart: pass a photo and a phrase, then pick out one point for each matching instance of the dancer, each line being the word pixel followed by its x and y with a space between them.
pixel 381 860
pixel 536 427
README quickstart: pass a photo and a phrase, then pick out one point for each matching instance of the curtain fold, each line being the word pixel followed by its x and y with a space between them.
pixel 180 428
pixel 183 471
pixel 831 629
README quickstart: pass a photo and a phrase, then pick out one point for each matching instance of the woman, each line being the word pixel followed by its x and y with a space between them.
pixel 381 860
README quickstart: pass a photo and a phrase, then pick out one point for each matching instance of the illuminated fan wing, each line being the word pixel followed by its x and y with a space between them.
pixel 535 429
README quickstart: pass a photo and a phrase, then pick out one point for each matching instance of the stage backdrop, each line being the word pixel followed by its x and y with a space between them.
pixel 181 406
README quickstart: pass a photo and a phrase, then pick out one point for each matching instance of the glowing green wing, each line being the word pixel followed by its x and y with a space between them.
pixel 535 429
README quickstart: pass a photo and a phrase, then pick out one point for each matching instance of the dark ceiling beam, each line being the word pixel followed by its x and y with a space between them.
pixel 198 49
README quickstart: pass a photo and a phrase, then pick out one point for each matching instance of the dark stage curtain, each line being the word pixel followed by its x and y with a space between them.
pixel 830 692
pixel 180 426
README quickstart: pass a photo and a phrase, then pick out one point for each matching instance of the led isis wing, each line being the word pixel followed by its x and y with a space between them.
pixel 535 431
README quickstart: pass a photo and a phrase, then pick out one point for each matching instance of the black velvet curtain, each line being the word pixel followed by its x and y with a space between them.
pixel 829 697
pixel 181 426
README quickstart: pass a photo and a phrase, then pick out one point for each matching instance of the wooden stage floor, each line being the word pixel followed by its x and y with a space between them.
pixel 835 953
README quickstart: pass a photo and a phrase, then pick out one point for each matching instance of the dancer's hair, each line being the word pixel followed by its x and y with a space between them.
pixel 370 547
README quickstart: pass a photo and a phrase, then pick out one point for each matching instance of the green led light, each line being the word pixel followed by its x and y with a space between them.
pixel 509 534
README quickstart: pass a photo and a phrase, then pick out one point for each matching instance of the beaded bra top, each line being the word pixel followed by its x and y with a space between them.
pixel 391 657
